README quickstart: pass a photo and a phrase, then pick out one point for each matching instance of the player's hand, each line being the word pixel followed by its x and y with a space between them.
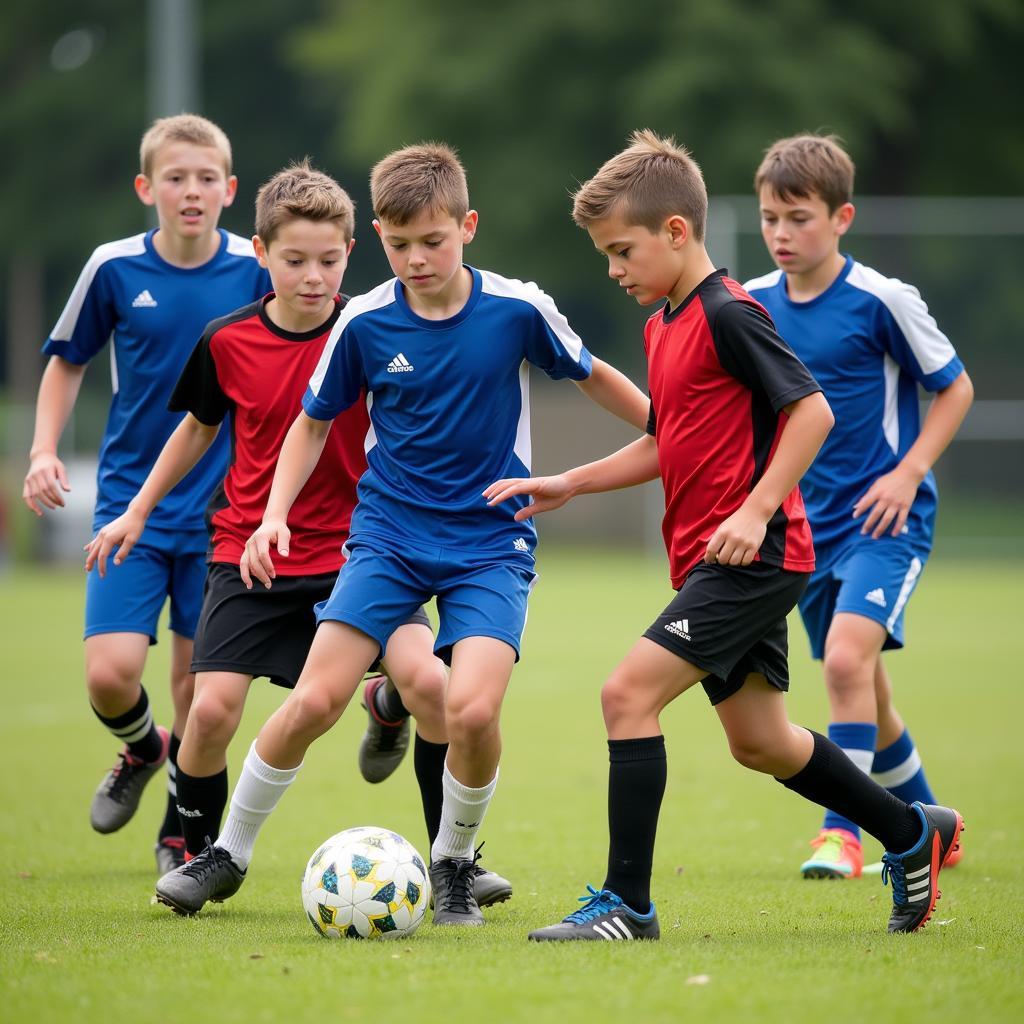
pixel 546 493
pixel 122 534
pixel 256 561
pixel 45 480
pixel 737 540
pixel 887 503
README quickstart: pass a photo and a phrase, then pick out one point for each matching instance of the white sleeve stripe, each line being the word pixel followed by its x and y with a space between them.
pixel 382 295
pixel 766 281
pixel 134 246
pixel 504 287
pixel 931 348
pixel 240 246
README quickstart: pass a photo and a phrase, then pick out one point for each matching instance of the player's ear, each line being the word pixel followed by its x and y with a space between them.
pixel 378 229
pixel 469 226
pixel 144 190
pixel 260 249
pixel 843 218
pixel 678 230
pixel 231 191
pixel 351 246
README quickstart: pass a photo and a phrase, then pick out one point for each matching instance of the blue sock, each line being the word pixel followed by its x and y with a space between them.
pixel 898 768
pixel 857 741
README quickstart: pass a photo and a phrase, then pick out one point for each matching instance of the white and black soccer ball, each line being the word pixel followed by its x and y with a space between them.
pixel 366 883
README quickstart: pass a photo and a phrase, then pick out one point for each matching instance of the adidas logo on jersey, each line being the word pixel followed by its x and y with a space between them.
pixel 400 365
pixel 876 596
pixel 143 299
pixel 681 627
pixel 520 544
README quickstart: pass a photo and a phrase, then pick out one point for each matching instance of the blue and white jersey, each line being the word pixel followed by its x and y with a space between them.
pixel 449 407
pixel 152 313
pixel 869 341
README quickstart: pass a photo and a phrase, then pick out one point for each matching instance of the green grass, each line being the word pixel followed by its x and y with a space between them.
pixel 81 941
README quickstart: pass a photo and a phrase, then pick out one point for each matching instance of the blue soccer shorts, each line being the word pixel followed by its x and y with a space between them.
pixel 383 582
pixel 164 563
pixel 873 578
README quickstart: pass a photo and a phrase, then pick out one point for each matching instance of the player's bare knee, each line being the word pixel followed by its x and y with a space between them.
pixel 753 753
pixel 618 700
pixel 425 686
pixel 469 724
pixel 312 711
pixel 211 724
pixel 111 682
pixel 846 671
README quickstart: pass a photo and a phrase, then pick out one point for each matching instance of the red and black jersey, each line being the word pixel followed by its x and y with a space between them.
pixel 719 377
pixel 248 369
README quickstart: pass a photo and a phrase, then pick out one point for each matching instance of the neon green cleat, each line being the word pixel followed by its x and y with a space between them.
pixel 837 854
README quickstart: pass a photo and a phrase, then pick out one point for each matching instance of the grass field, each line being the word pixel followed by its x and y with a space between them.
pixel 744 938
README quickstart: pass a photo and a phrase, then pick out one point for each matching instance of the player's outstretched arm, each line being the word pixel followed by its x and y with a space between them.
pixel 47 477
pixel 614 391
pixel 887 501
pixel 300 452
pixel 635 464
pixel 184 448
pixel 739 538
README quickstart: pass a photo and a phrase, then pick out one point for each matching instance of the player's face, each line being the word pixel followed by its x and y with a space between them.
pixel 307 261
pixel 426 253
pixel 647 264
pixel 800 232
pixel 189 187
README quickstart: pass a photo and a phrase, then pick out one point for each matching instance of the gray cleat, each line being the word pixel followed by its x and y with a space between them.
pixel 489 887
pixel 170 854
pixel 117 799
pixel 212 875
pixel 384 743
pixel 602 918
pixel 454 903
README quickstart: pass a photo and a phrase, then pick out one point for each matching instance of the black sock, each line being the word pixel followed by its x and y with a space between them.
pixel 636 785
pixel 172 823
pixel 201 803
pixel 136 729
pixel 388 702
pixel 428 762
pixel 832 780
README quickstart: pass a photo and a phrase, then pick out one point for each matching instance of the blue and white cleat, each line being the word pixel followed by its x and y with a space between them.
pixel 603 917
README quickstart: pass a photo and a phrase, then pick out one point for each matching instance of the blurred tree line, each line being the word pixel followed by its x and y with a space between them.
pixel 535 95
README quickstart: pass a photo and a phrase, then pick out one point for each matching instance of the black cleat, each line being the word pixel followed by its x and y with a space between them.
pixel 384 743
pixel 453 882
pixel 118 795
pixel 602 918
pixel 915 874
pixel 211 875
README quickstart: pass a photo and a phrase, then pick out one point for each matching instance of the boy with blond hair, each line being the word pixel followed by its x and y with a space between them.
pixel 150 295
pixel 735 419
pixel 871 497
pixel 443 351
pixel 252 366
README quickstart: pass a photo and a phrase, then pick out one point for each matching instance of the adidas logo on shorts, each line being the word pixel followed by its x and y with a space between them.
pixel 876 596
pixel 681 627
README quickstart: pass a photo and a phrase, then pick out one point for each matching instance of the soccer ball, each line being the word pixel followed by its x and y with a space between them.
pixel 366 883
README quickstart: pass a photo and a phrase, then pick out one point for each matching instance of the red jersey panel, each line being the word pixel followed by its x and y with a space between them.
pixel 719 376
pixel 254 373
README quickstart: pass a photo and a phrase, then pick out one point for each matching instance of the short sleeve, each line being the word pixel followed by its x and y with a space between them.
pixel 88 319
pixel 752 351
pixel 338 378
pixel 913 339
pixel 198 390
pixel 551 344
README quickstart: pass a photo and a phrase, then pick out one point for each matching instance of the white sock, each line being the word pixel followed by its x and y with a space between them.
pixel 462 813
pixel 256 794
pixel 861 758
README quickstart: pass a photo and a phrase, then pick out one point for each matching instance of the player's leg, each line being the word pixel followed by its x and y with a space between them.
pixel 762 738
pixel 386 739
pixel 338 659
pixel 481 669
pixel 121 612
pixel 202 760
pixel 632 699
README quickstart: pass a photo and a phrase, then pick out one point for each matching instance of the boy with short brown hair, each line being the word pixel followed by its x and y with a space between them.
pixel 870 493
pixel 443 351
pixel 151 296
pixel 735 419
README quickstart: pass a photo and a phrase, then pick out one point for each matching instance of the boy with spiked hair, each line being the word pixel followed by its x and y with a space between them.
pixel 150 295
pixel 871 497
pixel 443 351
pixel 735 420
pixel 252 367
